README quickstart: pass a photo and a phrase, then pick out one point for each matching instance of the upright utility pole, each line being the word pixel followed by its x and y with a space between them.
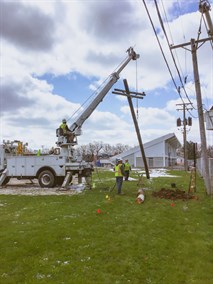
pixel 204 151
pixel 184 121
pixel 204 7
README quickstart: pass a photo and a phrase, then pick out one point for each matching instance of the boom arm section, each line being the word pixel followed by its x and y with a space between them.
pixel 76 126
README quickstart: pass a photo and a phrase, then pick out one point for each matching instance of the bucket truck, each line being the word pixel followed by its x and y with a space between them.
pixel 59 167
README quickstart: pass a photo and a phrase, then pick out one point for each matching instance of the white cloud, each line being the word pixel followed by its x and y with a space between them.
pixel 91 38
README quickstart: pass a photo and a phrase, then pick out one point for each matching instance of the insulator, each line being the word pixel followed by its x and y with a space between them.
pixel 189 121
pixel 178 122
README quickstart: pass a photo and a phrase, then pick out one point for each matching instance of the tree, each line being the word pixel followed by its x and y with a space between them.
pixel 98 147
pixel 89 151
pixel 107 150
pixel 192 150
pixel 81 151
pixel 120 148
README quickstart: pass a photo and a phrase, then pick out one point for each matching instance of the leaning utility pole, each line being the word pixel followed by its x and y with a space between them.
pixel 129 96
pixel 194 46
pixel 184 123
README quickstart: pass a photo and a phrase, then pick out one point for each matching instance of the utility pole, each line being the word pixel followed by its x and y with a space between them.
pixel 201 119
pixel 194 46
pixel 185 122
pixel 129 96
pixel 204 8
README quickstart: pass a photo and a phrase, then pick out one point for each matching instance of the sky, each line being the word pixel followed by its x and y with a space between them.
pixel 56 54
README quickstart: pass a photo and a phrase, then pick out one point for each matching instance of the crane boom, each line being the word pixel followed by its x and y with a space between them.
pixel 76 126
pixel 59 167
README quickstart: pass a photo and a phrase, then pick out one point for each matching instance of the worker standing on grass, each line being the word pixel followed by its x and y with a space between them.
pixel 127 169
pixel 119 174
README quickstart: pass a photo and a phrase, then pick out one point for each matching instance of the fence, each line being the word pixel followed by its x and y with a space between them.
pixel 201 170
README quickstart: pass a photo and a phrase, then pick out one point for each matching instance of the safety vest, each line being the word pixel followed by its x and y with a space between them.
pixel 118 172
pixel 64 127
pixel 127 167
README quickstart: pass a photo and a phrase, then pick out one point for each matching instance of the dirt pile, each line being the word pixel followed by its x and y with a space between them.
pixel 173 194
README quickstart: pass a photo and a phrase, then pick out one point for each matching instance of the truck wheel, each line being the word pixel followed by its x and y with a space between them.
pixel 46 179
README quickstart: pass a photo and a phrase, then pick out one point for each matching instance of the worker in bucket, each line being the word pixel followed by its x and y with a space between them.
pixel 119 174
pixel 127 169
pixel 66 131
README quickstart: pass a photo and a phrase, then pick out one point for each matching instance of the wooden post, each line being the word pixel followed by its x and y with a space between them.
pixel 204 153
pixel 136 128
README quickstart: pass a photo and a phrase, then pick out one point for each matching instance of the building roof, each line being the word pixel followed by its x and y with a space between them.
pixel 170 138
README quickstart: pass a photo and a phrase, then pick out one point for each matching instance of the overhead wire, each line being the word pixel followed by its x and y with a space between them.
pixel 184 37
pixel 199 28
pixel 95 92
pixel 172 55
pixel 184 74
pixel 88 99
pixel 167 64
pixel 211 42
pixel 163 28
pixel 202 19
pixel 136 86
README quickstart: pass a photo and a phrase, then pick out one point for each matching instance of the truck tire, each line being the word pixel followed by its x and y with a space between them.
pixel 46 179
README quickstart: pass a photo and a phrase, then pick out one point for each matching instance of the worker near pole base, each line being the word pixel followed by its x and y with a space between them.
pixel 66 131
pixel 119 174
pixel 127 169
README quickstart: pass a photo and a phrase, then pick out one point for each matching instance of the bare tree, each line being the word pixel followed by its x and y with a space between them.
pixel 91 151
pixel 120 148
pixel 81 151
pixel 107 150
pixel 98 146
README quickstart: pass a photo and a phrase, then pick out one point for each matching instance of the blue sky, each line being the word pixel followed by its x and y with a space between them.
pixel 183 8
pixel 76 88
pixel 54 54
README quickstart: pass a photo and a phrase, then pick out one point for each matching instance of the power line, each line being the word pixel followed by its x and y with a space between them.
pixel 177 87
pixel 136 86
pixel 184 37
pixel 207 31
pixel 173 58
pixel 86 102
pixel 170 72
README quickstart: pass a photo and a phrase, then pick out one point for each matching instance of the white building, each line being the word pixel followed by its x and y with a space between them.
pixel 160 152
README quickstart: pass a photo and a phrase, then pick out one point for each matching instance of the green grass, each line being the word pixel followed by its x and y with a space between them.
pixel 62 239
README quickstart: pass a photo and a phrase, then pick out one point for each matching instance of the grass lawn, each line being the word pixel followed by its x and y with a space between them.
pixel 87 238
